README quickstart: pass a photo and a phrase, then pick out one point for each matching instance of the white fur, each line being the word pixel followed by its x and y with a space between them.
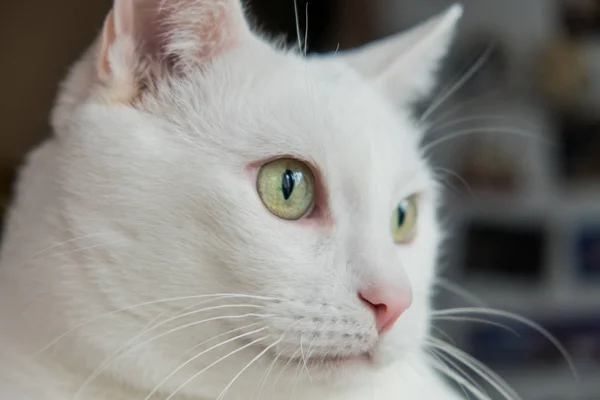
pixel 133 202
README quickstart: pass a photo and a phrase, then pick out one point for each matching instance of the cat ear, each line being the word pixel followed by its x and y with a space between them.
pixel 404 65
pixel 168 34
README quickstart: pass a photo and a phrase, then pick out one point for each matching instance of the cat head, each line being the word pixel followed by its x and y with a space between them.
pixel 243 190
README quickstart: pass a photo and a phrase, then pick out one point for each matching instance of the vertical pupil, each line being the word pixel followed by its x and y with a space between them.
pixel 401 215
pixel 287 184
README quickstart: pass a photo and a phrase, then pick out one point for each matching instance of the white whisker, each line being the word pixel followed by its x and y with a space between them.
pixel 306 32
pixel 162 382
pixel 38 253
pixel 337 48
pixel 196 375
pixel 111 360
pixel 458 84
pixel 267 373
pixel 187 314
pixel 99 369
pixel 457 176
pixel 458 291
pixel 444 363
pixel 457 367
pixel 296 380
pixel 478 118
pixel 262 353
pixel 480 369
pixel 129 308
pixel 463 382
pixel 304 365
pixel 308 357
pixel 182 312
pixel 478 320
pixel 242 328
pixel 514 317
pixel 65 253
pixel 460 105
pixel 499 130
pixel 443 333
pixel 298 35
pixel 285 367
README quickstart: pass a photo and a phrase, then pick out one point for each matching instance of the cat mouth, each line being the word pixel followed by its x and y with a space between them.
pixel 338 361
pixel 324 362
pixel 318 361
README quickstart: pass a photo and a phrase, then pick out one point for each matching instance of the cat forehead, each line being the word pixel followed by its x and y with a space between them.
pixel 311 108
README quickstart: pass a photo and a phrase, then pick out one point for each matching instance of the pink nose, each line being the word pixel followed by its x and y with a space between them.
pixel 388 304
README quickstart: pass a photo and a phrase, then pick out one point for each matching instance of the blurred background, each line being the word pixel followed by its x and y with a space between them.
pixel 514 135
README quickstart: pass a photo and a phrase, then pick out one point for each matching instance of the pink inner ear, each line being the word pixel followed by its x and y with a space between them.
pixel 108 38
pixel 203 29
pixel 143 39
pixel 186 30
pixel 218 34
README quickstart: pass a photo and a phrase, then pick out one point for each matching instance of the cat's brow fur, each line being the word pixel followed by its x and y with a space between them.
pixel 142 206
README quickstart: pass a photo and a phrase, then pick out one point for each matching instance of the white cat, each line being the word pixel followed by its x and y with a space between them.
pixel 216 217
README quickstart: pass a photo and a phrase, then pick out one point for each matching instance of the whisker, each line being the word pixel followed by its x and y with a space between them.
pixel 285 367
pixel 308 357
pixel 98 370
pixel 262 353
pixel 296 379
pixel 444 363
pixel 242 328
pixel 40 252
pixel 298 34
pixel 304 365
pixel 459 83
pixel 463 132
pixel 187 314
pixel 460 370
pixel 460 178
pixel 267 373
pixel 65 253
pixel 162 382
pixel 324 357
pixel 129 308
pixel 184 311
pixel 306 32
pixel 458 291
pixel 455 109
pixel 480 369
pixel 477 118
pixel 463 382
pixel 479 320
pixel 337 48
pixel 443 333
pixel 196 375
pixel 111 360
pixel 514 317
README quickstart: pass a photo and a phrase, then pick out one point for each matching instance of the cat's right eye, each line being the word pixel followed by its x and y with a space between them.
pixel 404 220
pixel 286 187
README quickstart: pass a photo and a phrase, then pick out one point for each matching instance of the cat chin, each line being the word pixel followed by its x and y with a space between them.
pixel 337 371
pixel 333 372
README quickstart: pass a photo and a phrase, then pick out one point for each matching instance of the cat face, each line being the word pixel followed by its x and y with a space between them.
pixel 252 197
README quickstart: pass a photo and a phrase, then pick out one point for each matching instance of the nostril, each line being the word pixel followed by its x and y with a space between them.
pixel 374 307
pixel 378 309
pixel 387 303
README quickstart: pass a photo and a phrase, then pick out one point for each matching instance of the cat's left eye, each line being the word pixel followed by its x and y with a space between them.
pixel 404 220
pixel 286 187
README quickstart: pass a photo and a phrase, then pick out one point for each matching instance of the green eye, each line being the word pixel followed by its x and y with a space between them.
pixel 286 187
pixel 404 220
